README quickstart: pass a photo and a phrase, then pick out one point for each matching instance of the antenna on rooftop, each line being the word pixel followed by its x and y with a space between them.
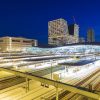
pixel 74 19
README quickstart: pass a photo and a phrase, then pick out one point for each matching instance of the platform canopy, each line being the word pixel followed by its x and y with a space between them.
pixel 78 63
pixel 64 49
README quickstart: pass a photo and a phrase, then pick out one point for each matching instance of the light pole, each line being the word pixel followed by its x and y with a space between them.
pixel 27 84
pixel 51 68
pixel 57 93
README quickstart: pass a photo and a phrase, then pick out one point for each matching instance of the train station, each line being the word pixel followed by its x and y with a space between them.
pixel 58 73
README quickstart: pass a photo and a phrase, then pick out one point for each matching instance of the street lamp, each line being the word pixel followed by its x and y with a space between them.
pixel 51 68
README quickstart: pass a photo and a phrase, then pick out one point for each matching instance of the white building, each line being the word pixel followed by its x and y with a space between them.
pixel 16 43
pixel 59 33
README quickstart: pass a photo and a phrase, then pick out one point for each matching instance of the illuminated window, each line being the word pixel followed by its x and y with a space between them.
pixel 15 40
pixel 25 41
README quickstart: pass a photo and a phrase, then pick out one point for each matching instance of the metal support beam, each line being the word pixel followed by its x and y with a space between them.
pixel 51 69
pixel 54 83
pixel 57 93
pixel 27 84
pixel 51 72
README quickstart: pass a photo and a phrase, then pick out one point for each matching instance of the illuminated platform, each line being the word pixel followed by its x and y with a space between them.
pixel 54 83
pixel 65 49
pixel 76 67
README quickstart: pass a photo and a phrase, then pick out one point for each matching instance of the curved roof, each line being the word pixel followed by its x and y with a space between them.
pixel 65 49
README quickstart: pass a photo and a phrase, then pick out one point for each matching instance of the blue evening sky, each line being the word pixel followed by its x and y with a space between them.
pixel 29 18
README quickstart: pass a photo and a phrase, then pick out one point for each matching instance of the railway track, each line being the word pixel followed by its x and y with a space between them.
pixel 11 82
pixel 51 95
pixel 69 95
pixel 84 83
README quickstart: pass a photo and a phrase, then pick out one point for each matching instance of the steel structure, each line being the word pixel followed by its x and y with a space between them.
pixel 54 83
pixel 64 49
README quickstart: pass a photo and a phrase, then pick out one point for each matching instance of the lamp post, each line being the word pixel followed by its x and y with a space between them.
pixel 57 93
pixel 51 68
pixel 27 84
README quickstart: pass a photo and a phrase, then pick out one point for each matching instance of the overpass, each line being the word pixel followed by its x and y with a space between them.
pixel 54 83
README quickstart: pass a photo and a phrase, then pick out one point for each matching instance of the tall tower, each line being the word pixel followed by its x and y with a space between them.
pixel 74 31
pixel 90 35
pixel 57 32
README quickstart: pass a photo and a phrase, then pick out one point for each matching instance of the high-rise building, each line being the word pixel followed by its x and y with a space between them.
pixel 74 32
pixel 57 32
pixel 90 35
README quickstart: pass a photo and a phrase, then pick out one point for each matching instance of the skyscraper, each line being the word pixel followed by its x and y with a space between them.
pixel 74 32
pixel 57 32
pixel 90 35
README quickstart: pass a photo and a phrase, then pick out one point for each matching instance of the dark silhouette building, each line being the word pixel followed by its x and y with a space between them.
pixel 73 29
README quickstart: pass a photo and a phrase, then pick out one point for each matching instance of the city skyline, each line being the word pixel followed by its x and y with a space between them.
pixel 30 18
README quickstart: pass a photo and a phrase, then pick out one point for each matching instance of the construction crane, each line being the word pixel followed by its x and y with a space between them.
pixel 74 19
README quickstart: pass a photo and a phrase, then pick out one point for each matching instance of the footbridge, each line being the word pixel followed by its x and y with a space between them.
pixel 54 83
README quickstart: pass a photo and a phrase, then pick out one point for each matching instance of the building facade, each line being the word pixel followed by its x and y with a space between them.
pixel 74 32
pixel 81 40
pixel 59 33
pixel 8 44
pixel 90 35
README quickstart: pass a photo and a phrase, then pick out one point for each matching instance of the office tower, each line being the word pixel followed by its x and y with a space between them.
pixel 90 35
pixel 57 32
pixel 74 32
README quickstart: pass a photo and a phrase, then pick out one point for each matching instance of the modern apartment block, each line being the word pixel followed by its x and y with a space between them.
pixel 59 33
pixel 8 44
pixel 90 35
